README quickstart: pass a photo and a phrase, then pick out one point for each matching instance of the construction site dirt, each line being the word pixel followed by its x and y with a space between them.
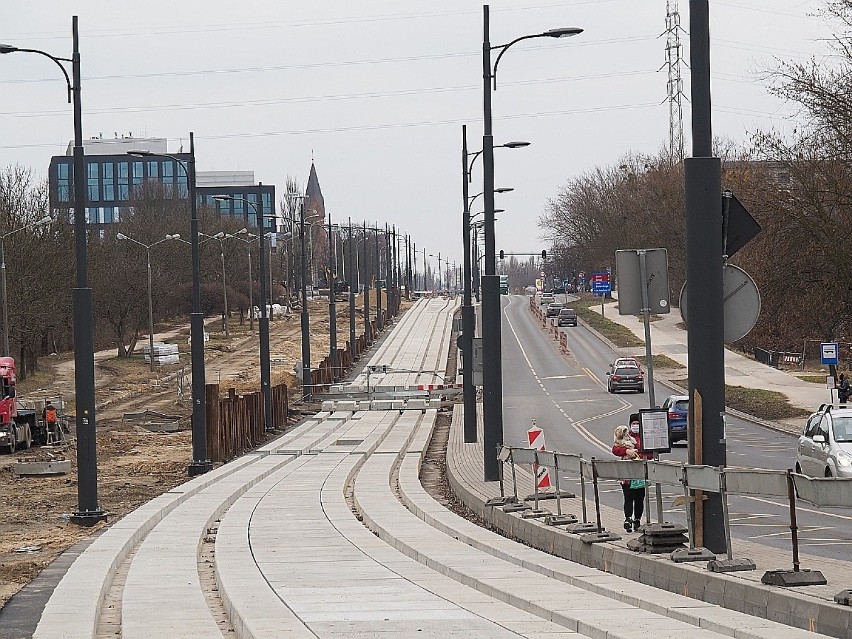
pixel 134 464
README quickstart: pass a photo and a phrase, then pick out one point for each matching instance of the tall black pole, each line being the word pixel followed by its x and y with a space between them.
pixel 388 273
pixel 88 511
pixel 352 337
pixel 332 308
pixel 306 334
pixel 263 323
pixel 705 316
pixel 200 459
pixel 379 319
pixel 368 329
pixel 468 320
pixel 492 380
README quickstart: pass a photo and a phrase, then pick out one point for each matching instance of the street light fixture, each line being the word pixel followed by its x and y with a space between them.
pixel 491 329
pixel 88 511
pixel 248 241
pixel 263 322
pixel 44 220
pixel 220 236
pixel 200 463
pixel 508 145
pixel 148 247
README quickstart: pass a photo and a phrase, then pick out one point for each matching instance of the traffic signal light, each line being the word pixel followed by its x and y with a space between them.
pixel 544 255
pixel 502 254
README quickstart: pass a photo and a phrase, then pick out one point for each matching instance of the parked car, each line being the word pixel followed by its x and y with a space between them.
pixel 825 447
pixel 553 309
pixel 677 407
pixel 625 378
pixel 546 298
pixel 567 317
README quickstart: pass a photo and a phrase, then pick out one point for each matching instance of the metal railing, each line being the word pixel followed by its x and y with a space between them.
pixel 693 480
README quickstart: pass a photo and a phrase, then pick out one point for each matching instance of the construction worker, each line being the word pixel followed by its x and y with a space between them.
pixel 50 418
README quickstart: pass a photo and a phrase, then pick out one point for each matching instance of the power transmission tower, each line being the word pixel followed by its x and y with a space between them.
pixel 674 60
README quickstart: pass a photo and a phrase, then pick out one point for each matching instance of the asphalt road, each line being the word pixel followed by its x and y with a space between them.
pixel 567 398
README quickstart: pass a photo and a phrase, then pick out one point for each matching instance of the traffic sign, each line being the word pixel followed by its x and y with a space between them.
pixel 829 353
pixel 601 284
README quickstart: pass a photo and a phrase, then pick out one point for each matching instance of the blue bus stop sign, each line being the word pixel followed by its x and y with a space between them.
pixel 829 353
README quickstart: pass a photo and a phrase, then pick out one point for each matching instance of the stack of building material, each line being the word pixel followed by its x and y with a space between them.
pixel 163 353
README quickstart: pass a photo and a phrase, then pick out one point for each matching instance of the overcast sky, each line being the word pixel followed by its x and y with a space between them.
pixel 376 92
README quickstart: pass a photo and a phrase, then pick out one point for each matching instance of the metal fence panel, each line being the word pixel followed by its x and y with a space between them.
pixel 767 483
pixel 702 478
pixel 569 463
pixel 618 469
pixel 668 473
pixel 586 467
pixel 523 455
pixel 824 492
pixel 546 459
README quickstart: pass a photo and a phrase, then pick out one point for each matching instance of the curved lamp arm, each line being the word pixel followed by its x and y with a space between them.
pixel 8 48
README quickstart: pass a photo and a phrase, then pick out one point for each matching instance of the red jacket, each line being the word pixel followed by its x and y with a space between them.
pixel 621 451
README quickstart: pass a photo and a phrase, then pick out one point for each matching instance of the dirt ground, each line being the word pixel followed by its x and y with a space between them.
pixel 134 464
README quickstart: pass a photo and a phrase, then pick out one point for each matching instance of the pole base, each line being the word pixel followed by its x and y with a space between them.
pixel 88 519
pixel 501 501
pixel 200 467
pixel 599 537
pixel 787 578
pixel 731 565
pixel 683 555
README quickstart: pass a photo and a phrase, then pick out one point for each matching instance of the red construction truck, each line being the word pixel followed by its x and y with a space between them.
pixel 18 427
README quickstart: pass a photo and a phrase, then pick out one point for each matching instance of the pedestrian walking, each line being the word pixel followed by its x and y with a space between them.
pixel 628 446
pixel 843 389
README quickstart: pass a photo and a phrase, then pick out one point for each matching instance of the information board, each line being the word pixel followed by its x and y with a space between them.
pixel 654 430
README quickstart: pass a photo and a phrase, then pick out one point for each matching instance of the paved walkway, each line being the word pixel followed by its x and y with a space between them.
pixel 328 532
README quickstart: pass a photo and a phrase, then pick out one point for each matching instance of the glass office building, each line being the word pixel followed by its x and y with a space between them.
pixel 112 176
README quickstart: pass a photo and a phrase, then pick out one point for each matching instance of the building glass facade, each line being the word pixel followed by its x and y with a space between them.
pixel 111 180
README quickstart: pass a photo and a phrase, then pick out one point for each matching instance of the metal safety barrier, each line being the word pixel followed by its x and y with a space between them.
pixel 694 480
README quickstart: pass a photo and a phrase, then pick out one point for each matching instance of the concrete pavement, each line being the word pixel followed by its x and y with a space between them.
pixel 327 531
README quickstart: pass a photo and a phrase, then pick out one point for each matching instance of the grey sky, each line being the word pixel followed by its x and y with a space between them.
pixel 376 92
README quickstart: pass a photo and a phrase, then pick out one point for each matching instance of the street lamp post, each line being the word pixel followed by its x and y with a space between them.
pixel 200 463
pixel 263 321
pixel 368 329
pixel 332 308
pixel 379 318
pixel 220 236
pixel 88 511
pixel 351 282
pixel 491 313
pixel 148 247
pixel 305 317
pixel 248 242
pixel 44 220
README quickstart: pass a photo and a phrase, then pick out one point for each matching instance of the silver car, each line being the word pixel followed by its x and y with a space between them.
pixel 825 447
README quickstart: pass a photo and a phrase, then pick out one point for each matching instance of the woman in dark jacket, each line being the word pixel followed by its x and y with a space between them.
pixel 627 445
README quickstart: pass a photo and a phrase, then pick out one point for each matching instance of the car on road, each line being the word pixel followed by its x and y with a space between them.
pixel 677 407
pixel 545 298
pixel 624 361
pixel 625 378
pixel 567 317
pixel 553 309
pixel 825 447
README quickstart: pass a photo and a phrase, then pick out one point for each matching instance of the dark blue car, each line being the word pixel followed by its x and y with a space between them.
pixel 677 407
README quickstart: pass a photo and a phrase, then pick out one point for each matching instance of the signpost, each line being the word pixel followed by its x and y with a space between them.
pixel 829 356
pixel 602 286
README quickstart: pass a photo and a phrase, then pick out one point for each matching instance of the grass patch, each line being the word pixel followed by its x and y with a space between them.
pixel 812 379
pixel 662 361
pixel 616 333
pixel 763 404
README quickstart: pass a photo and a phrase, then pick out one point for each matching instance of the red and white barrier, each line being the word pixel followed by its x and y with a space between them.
pixel 535 436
